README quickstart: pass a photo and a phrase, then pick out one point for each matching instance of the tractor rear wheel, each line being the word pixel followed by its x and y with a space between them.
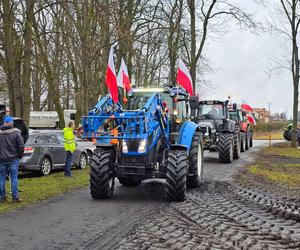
pixel 176 173
pixel 226 145
pixel 237 144
pixel 129 182
pixel 101 179
pixel 247 140
pixel 243 141
pixel 195 162
pixel 251 140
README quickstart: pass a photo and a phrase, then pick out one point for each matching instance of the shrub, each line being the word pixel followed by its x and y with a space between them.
pixel 269 127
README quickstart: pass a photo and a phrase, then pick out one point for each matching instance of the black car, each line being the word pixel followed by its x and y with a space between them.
pixel 44 152
pixel 18 122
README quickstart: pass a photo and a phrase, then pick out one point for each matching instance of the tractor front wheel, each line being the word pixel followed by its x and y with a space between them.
pixel 237 144
pixel 176 173
pixel 195 162
pixel 226 144
pixel 101 179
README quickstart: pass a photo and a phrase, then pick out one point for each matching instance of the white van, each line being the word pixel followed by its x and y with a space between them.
pixel 48 119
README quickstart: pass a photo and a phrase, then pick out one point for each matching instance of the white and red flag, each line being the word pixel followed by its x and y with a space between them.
pixel 251 119
pixel 123 76
pixel 245 106
pixel 184 78
pixel 111 78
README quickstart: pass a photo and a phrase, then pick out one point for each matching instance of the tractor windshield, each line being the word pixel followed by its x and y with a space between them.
pixel 213 111
pixel 139 99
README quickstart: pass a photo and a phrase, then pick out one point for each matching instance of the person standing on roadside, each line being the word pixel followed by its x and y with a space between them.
pixel 70 146
pixel 12 150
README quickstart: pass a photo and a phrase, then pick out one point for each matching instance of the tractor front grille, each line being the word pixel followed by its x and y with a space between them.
pixel 134 160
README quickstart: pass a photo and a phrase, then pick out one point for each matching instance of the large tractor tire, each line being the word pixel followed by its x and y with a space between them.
pixel 251 140
pixel 195 176
pixel 243 142
pixel 226 145
pixel 237 144
pixel 247 146
pixel 176 175
pixel 101 179
pixel 129 182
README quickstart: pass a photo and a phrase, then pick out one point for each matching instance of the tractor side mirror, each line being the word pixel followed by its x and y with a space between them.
pixel 194 102
pixel 234 106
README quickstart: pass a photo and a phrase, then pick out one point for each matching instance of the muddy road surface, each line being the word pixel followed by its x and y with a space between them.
pixel 219 215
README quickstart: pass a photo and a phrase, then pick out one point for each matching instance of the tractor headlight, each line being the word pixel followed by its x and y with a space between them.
pixel 142 146
pixel 125 147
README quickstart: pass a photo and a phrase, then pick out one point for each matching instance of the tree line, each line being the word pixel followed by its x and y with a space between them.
pixel 54 53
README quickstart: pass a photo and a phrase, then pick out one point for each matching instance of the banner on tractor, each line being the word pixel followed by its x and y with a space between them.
pixel 184 78
pixel 111 78
pixel 245 106
pixel 123 77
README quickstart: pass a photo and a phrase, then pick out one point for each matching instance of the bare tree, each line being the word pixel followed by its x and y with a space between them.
pixel 212 15
pixel 285 20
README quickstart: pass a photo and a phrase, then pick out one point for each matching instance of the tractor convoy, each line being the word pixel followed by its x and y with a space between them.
pixel 160 133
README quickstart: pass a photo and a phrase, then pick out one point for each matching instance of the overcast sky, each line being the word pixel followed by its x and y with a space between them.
pixel 242 59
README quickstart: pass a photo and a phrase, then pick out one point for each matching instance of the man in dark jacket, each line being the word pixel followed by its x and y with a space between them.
pixel 11 151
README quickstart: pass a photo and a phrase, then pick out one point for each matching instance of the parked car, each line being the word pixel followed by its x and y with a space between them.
pixel 44 152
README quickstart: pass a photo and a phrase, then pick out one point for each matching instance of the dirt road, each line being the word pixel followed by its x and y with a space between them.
pixel 217 216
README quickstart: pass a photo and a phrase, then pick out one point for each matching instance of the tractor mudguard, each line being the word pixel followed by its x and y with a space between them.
pixel 103 145
pixel 186 134
pixel 229 126
pixel 178 146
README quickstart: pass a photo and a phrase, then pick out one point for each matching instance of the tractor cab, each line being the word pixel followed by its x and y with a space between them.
pixel 213 110
pixel 175 103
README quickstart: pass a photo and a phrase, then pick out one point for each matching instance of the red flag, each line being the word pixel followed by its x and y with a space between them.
pixel 184 78
pixel 251 119
pixel 123 77
pixel 246 106
pixel 111 78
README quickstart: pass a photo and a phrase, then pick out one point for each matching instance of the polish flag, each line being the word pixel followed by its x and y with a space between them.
pixel 111 78
pixel 246 106
pixel 251 119
pixel 123 76
pixel 184 78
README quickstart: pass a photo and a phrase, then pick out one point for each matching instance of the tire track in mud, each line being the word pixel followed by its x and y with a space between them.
pixel 221 216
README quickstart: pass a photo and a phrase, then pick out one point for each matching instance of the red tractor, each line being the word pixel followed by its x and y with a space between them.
pixel 240 117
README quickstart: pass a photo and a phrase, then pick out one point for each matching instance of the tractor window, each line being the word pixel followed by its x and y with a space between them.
pixel 138 100
pixel 181 109
pixel 215 111
pixel 233 116
pixel 241 116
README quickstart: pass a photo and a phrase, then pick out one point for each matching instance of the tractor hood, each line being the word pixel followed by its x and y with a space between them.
pixel 207 123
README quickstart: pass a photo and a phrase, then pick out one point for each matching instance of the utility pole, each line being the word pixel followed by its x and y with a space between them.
pixel 269 107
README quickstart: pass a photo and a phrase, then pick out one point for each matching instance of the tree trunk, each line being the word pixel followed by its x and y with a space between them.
pixel 12 49
pixel 27 61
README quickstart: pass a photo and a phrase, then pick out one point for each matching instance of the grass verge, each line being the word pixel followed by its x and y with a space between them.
pixel 36 189
pixel 276 169
pixel 282 151
pixel 287 175
pixel 275 135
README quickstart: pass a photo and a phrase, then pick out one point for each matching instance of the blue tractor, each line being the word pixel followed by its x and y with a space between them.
pixel 149 136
